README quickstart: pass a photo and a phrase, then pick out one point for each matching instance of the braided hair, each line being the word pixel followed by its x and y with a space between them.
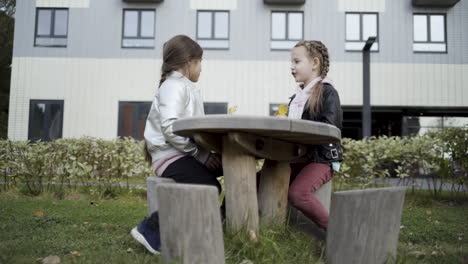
pixel 316 49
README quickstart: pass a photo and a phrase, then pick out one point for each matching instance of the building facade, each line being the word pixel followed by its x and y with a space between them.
pixel 91 67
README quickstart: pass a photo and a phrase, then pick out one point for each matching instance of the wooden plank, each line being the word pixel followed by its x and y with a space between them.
pixel 268 148
pixel 364 225
pixel 240 185
pixel 273 191
pixel 190 224
pixel 291 130
pixel 151 193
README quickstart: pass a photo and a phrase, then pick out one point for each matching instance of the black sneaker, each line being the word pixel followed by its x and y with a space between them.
pixel 148 237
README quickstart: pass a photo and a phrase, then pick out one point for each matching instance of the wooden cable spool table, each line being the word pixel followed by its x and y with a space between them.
pixel 243 139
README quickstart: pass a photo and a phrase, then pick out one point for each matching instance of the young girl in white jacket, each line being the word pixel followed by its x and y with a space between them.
pixel 170 155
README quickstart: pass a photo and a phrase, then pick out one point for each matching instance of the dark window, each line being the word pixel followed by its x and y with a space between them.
pixel 359 27
pixel 132 118
pixel 138 28
pixel 45 120
pixel 213 29
pixel 51 27
pixel 215 108
pixel 429 33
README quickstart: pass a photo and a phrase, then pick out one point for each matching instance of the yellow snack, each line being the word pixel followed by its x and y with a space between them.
pixel 282 110
pixel 232 110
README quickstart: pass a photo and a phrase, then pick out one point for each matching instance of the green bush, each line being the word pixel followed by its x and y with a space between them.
pixel 71 161
pixel 435 155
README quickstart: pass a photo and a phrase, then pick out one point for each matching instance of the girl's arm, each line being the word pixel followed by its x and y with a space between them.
pixel 331 112
pixel 172 104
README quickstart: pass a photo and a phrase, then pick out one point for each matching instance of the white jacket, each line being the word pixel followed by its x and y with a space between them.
pixel 177 97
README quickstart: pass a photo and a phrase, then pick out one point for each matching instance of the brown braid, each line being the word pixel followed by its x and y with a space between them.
pixel 316 49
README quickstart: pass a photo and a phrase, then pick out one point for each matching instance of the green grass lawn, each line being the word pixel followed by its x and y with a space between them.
pixel 434 231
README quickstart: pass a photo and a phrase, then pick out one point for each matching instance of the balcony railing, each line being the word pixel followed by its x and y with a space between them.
pixel 284 2
pixel 434 3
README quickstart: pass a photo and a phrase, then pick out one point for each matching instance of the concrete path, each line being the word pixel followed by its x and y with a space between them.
pixel 420 183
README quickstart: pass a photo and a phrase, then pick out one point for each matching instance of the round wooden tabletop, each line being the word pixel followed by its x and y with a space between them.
pixel 281 128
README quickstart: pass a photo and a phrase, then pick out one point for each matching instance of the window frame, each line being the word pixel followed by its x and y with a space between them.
pixel 33 102
pixel 52 28
pixel 136 105
pixel 213 37
pixel 138 37
pixel 428 32
pixel 361 27
pixel 286 39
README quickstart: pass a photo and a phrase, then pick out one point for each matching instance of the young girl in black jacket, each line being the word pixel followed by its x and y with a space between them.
pixel 317 100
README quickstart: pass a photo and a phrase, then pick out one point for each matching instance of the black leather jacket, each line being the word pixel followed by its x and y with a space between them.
pixel 330 112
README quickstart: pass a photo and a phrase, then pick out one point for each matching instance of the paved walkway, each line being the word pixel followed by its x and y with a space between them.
pixel 421 183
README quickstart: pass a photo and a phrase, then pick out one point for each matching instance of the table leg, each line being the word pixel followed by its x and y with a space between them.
pixel 273 191
pixel 240 187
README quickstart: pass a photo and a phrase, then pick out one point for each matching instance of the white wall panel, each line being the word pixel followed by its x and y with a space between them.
pixel 63 3
pixel 361 5
pixel 92 88
pixel 213 4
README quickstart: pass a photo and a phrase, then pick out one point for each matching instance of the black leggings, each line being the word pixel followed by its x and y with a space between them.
pixel 189 170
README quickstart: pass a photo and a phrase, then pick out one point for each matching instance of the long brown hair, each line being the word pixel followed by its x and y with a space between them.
pixel 316 49
pixel 177 53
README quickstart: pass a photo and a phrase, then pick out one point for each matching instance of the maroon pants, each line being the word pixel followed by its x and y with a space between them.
pixel 306 178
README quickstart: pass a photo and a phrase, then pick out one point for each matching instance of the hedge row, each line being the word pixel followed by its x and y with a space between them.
pixel 89 160
pixel 71 161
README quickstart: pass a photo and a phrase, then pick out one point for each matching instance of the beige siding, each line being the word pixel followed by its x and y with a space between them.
pixel 213 4
pixel 361 5
pixel 92 88
pixel 63 3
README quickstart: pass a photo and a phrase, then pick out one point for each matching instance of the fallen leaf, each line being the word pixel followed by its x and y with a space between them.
pixel 51 260
pixel 252 236
pixel 38 213
pixel 428 212
pixel 75 253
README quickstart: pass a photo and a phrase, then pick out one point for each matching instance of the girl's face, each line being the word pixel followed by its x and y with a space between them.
pixel 194 70
pixel 303 68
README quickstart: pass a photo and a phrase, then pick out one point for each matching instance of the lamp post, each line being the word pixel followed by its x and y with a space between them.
pixel 366 108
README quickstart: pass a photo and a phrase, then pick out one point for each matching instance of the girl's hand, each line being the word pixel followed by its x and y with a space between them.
pixel 214 161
